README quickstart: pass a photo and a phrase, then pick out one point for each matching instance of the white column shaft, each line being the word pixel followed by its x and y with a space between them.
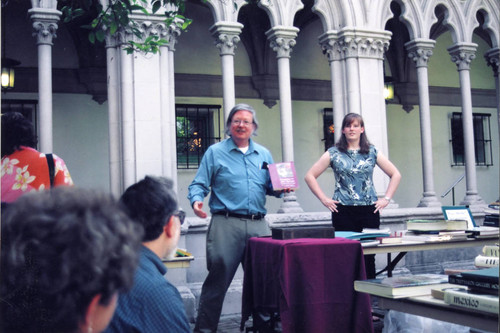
pixel 228 90
pixel 114 121
pixel 45 96
pixel 285 108
pixel 128 126
pixel 173 122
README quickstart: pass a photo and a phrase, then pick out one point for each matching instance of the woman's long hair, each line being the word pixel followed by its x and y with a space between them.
pixel 364 144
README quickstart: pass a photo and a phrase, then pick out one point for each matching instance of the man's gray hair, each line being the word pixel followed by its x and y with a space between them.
pixel 241 107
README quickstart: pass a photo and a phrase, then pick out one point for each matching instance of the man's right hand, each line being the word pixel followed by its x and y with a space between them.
pixel 197 208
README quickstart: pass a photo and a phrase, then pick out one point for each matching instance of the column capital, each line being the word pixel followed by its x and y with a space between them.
pixel 420 51
pixel 364 43
pixel 462 54
pixel 227 35
pixel 45 24
pixel 492 57
pixel 330 45
pixel 282 40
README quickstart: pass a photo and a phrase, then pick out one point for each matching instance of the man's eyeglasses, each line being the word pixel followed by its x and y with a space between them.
pixel 181 215
pixel 243 122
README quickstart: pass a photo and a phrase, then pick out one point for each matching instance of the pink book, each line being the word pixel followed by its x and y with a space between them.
pixel 283 176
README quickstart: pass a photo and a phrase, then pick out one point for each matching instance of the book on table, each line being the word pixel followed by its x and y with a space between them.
pixel 434 236
pixel 481 280
pixel 466 298
pixel 283 176
pixel 436 225
pixel 485 261
pixel 401 285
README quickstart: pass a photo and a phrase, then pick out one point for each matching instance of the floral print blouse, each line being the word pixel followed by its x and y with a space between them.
pixel 354 176
pixel 27 170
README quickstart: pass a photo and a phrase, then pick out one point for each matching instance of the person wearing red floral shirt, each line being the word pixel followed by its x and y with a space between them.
pixel 24 169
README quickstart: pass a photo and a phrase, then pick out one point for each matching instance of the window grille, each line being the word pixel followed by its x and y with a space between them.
pixel 482 139
pixel 328 128
pixel 198 127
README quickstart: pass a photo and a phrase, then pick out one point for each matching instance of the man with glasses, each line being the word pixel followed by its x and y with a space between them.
pixel 235 171
pixel 153 304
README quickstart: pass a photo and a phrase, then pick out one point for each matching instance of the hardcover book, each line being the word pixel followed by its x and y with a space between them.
pixel 483 280
pixel 401 285
pixel 471 300
pixel 303 232
pixel 283 176
pixel 436 225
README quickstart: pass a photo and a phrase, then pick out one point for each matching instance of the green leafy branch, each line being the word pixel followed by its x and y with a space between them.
pixel 117 15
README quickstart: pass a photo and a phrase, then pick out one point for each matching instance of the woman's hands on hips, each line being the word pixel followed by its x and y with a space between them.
pixel 381 204
pixel 330 204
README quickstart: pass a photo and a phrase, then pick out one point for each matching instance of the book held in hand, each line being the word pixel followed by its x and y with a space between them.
pixel 401 285
pixel 283 176
pixel 472 300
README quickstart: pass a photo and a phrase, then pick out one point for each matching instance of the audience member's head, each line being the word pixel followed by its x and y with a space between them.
pixel 152 203
pixel 65 256
pixel 17 131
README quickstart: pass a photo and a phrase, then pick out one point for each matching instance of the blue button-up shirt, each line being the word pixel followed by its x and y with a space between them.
pixel 239 181
pixel 153 305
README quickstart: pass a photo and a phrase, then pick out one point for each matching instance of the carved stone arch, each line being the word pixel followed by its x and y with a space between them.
pixel 225 10
pixel 281 12
pixel 450 16
pixel 413 19
pixel 396 55
pixel 487 17
pixel 331 14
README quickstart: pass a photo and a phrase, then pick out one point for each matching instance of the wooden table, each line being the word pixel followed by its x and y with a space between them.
pixel 410 246
pixel 427 306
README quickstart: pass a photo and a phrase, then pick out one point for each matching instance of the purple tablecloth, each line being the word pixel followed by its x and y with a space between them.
pixel 310 282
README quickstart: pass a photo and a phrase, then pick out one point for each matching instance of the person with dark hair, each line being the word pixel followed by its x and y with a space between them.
pixel 355 204
pixel 65 256
pixel 153 304
pixel 24 169
pixel 235 171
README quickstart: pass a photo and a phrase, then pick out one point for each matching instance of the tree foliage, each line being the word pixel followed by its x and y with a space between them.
pixel 116 15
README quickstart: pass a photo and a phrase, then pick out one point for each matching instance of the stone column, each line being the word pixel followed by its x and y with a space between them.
pixel 173 34
pixel 227 35
pixel 420 51
pixel 349 44
pixel 330 46
pixel 127 109
pixel 282 39
pixel 115 165
pixel 462 55
pixel 45 26
pixel 493 59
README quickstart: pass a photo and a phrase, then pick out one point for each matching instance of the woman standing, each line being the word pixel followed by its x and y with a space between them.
pixel 354 205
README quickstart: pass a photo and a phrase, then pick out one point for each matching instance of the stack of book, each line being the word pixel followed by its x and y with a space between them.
pixel 367 237
pixel 489 257
pixel 402 285
pixel 435 230
pixel 477 290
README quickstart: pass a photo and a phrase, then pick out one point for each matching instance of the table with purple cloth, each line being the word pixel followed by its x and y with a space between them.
pixel 309 282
